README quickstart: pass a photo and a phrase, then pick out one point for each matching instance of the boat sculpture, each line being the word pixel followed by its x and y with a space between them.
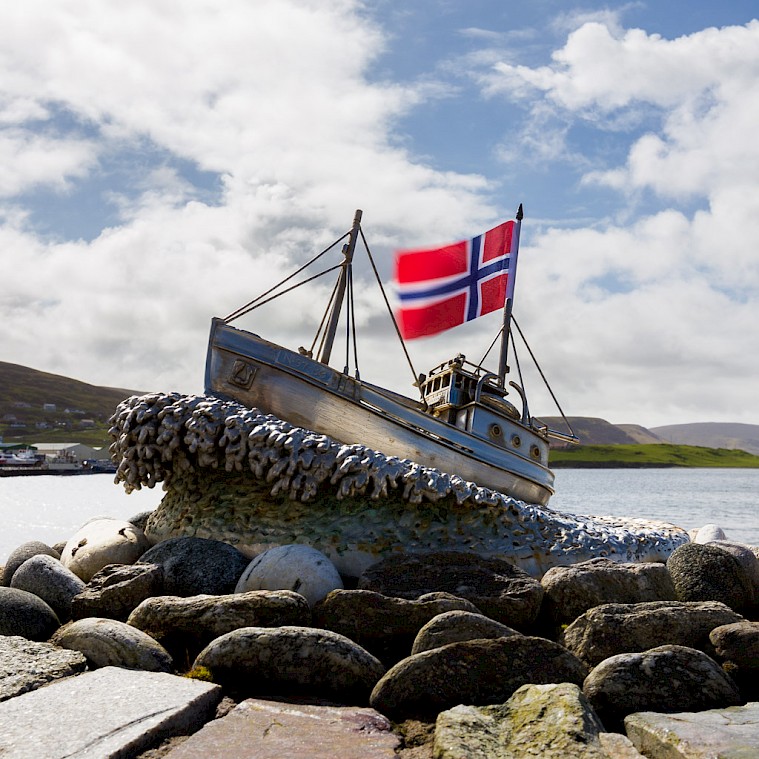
pixel 462 425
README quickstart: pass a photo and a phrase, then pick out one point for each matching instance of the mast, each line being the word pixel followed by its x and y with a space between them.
pixel 342 283
pixel 503 367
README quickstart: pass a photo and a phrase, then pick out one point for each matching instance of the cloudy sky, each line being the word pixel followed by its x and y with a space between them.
pixel 164 162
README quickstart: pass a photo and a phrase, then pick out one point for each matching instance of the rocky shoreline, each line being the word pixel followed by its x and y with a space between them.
pixel 187 648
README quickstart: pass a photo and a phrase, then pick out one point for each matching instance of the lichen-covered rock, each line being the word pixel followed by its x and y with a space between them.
pixel 479 672
pixel 292 661
pixel 553 721
pixel 25 614
pixel 455 626
pixel 47 578
pixel 185 625
pixel 737 647
pixel 110 643
pixel 383 625
pixel 662 679
pixel 23 552
pixel 116 590
pixel 496 587
pixel 572 590
pixel 708 573
pixel 746 558
pixel 299 568
pixel 101 542
pixel 195 566
pixel 612 629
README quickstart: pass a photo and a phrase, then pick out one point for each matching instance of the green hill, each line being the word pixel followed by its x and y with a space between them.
pixel 651 455
pixel 42 407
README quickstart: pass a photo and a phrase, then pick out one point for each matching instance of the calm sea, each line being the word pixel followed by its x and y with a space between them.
pixel 50 508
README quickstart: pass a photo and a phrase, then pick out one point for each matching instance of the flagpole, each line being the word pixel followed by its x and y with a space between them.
pixel 503 367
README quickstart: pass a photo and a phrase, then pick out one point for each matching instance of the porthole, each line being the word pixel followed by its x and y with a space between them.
pixel 495 430
pixel 516 441
pixel 535 452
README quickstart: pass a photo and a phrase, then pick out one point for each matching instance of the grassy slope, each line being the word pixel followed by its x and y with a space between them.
pixel 654 455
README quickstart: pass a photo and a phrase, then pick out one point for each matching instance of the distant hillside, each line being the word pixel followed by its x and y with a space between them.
pixel 640 434
pixel 736 436
pixel 591 430
pixel 37 406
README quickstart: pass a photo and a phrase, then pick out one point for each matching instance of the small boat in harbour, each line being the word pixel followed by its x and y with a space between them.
pixel 463 424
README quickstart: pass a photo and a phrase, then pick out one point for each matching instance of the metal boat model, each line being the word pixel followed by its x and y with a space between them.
pixel 463 424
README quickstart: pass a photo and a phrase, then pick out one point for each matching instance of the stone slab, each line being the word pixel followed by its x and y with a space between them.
pixel 258 729
pixel 26 665
pixel 110 713
pixel 731 732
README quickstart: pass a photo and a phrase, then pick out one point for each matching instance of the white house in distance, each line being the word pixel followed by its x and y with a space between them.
pixel 74 452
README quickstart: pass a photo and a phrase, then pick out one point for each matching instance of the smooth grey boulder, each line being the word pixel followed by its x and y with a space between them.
pixel 455 626
pixel 553 721
pixel 478 672
pixel 292 661
pixel 625 628
pixel 383 625
pixel 110 643
pixel 111 712
pixel 731 733
pixel 293 731
pixel 570 591
pixel 101 542
pixel 184 626
pixel 496 587
pixel 746 557
pixel 48 579
pixel 22 613
pixel 663 679
pixel 196 566
pixel 708 573
pixel 23 552
pixel 26 665
pixel 296 567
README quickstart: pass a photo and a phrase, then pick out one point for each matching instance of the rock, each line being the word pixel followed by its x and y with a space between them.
pixel 140 519
pixel 19 555
pixel 116 590
pixel 455 626
pixel 110 643
pixel 299 568
pixel 572 590
pixel 101 542
pixel 292 661
pixel 662 679
pixel 732 732
pixel 382 625
pixel 553 721
pixel 184 626
pixel 612 629
pixel 497 588
pixel 707 573
pixel 27 615
pixel 737 647
pixel 47 578
pixel 746 557
pixel 195 566
pixel 708 533
pixel 110 712
pixel 26 665
pixel 288 730
pixel 479 672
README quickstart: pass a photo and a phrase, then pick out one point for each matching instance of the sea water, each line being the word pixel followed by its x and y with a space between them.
pixel 51 508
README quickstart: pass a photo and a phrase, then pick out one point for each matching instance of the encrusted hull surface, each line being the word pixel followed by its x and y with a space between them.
pixel 236 474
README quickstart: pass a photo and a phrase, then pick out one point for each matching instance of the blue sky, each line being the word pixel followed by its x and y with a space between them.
pixel 165 162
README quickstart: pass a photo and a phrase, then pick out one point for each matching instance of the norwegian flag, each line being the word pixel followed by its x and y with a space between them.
pixel 440 288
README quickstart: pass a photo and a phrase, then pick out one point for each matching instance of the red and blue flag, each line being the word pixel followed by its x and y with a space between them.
pixel 440 288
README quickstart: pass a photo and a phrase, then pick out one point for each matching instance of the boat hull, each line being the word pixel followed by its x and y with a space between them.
pixel 246 368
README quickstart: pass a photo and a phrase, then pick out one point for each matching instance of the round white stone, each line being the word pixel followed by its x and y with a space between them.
pixel 297 567
pixel 708 533
pixel 102 542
